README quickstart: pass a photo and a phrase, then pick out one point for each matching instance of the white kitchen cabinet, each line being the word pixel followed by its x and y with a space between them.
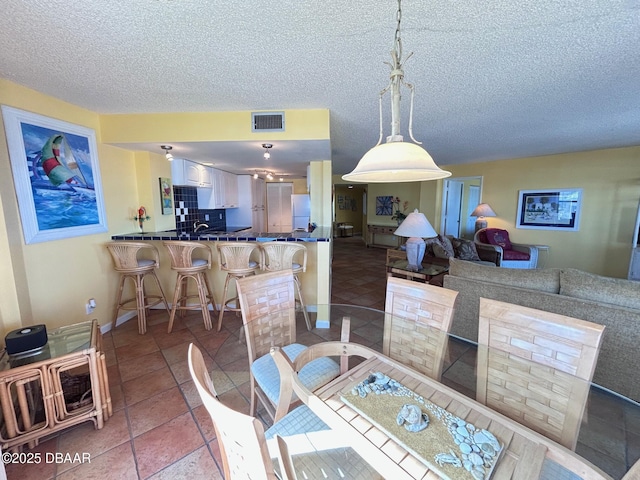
pixel 186 172
pixel 251 204
pixel 230 190
pixel 223 192
pixel 279 215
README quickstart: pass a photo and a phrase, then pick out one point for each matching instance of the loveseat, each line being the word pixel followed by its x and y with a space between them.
pixel 612 302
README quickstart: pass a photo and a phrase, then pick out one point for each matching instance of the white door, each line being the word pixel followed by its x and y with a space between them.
pixel 279 217
pixel 452 207
pixel 470 224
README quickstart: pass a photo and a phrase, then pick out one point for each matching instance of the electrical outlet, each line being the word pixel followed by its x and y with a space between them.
pixel 89 309
pixel 220 216
pixel 206 217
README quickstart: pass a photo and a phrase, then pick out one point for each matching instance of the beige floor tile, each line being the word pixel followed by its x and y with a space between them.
pixel 162 446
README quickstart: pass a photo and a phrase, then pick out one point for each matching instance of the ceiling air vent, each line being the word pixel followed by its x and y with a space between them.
pixel 267 122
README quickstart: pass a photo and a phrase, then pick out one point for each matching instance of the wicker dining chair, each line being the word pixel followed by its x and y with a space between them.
pixel 241 438
pixel 126 261
pixel 536 393
pixel 236 261
pixel 188 267
pixel 267 303
pixel 418 319
pixel 278 256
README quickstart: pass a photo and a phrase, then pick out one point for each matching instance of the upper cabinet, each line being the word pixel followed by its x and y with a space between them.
pixel 223 192
pixel 186 172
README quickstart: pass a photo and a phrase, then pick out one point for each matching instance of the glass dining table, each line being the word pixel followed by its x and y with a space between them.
pixel 607 427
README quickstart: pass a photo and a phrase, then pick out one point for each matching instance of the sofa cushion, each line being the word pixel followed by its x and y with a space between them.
pixel 543 280
pixel 499 237
pixel 444 248
pixel 597 288
pixel 465 249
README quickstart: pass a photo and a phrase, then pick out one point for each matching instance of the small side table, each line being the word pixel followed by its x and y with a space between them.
pixel 64 384
pixel 427 273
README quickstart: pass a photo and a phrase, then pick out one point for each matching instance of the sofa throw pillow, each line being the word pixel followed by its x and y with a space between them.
pixel 430 242
pixel 465 249
pixel 499 237
pixel 597 288
pixel 444 248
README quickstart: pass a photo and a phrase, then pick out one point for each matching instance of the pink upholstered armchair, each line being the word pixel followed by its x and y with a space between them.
pixel 510 255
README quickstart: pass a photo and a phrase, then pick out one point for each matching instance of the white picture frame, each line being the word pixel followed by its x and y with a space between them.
pixel 549 209
pixel 56 174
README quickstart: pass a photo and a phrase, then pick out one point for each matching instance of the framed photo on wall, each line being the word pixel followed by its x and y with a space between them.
pixel 56 176
pixel 557 209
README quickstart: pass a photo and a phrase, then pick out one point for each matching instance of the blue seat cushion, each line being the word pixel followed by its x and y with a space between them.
pixel 313 375
pixel 297 421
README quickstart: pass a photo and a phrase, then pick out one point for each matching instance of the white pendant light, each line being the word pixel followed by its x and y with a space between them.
pixel 396 161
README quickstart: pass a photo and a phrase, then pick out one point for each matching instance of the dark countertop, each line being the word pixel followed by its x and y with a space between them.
pixel 232 234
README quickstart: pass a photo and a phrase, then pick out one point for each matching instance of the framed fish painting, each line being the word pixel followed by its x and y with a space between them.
pixel 56 175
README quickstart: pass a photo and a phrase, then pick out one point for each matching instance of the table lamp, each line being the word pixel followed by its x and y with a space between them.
pixel 481 211
pixel 416 227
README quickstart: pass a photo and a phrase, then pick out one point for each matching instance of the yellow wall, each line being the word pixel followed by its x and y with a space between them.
pixel 53 280
pixel 354 217
pixel 312 124
pixel 610 180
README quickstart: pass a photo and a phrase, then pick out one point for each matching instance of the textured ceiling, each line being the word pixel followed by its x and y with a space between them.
pixel 494 79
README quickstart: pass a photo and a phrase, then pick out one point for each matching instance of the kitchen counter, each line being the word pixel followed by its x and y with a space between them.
pixel 232 234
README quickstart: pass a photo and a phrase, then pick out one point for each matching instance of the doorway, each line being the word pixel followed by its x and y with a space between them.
pixel 459 197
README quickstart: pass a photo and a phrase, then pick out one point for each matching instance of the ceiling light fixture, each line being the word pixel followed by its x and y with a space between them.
pixel 167 149
pixel 267 174
pixel 396 160
pixel 267 146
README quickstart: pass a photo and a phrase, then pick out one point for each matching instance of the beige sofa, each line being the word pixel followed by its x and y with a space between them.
pixel 612 302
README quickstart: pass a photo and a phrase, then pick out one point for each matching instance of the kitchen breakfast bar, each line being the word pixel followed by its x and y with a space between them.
pixel 315 280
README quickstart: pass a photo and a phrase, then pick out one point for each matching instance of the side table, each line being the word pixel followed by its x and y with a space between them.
pixel 428 272
pixel 62 385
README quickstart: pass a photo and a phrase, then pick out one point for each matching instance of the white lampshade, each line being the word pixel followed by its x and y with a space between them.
pixel 416 227
pixel 396 162
pixel 483 210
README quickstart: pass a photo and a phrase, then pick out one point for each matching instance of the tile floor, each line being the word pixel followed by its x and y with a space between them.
pixel 160 430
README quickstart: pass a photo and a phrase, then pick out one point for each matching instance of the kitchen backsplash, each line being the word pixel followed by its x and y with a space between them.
pixel 187 212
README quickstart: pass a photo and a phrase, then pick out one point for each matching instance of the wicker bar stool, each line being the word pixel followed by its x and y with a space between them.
pixel 182 261
pixel 235 259
pixel 279 256
pixel 126 261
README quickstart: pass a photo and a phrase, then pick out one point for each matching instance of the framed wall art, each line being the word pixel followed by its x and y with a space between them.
pixel 56 175
pixel 556 209
pixel 384 205
pixel 166 196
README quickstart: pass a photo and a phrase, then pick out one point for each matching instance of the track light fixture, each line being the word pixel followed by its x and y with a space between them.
pixel 267 174
pixel 167 149
pixel 267 146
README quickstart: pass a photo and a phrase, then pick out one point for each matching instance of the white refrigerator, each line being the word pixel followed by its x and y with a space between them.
pixel 301 211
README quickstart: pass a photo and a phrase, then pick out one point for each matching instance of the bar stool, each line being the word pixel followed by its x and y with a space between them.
pixel 182 261
pixel 126 261
pixel 279 256
pixel 235 259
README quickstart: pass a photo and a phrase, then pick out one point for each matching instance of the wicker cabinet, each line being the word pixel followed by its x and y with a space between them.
pixel 64 384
